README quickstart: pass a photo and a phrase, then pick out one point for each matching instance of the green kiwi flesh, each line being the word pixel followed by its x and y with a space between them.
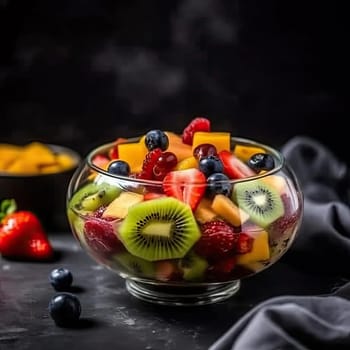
pixel 134 265
pixel 193 267
pixel 92 196
pixel 260 201
pixel 159 229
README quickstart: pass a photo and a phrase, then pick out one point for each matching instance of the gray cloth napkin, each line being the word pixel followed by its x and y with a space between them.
pixel 323 244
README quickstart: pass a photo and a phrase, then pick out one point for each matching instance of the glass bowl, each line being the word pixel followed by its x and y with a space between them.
pixel 172 252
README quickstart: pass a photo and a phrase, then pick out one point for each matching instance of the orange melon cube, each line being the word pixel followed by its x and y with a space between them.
pixel 225 208
pixel 260 250
pixel 221 140
pixel 180 149
pixel 244 152
pixel 133 153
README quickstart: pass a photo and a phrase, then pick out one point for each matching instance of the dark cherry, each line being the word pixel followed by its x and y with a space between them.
pixel 119 167
pixel 261 161
pixel 204 150
pixel 165 163
pixel 156 139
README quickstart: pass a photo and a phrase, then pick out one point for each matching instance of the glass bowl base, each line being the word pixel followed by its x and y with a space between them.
pixel 182 296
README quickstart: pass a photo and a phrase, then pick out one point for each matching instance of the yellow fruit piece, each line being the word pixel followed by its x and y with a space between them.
pixel 260 250
pixel 204 212
pixel 50 169
pixel 225 208
pixel 276 181
pixel 133 153
pixel 65 161
pixel 187 163
pixel 23 166
pixel 8 154
pixel 221 140
pixel 119 207
pixel 244 152
pixel 36 152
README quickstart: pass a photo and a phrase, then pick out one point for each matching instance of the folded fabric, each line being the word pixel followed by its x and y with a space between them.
pixel 291 322
pixel 322 245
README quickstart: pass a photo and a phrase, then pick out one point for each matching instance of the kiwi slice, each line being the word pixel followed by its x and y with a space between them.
pixel 259 200
pixel 135 265
pixel 159 229
pixel 92 196
pixel 193 267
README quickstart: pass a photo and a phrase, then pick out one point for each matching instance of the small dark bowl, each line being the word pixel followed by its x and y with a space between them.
pixel 43 194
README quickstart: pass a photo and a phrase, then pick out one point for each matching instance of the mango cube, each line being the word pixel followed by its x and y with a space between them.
pixel 221 140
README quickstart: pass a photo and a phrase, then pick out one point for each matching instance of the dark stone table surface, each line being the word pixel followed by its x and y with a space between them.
pixel 111 318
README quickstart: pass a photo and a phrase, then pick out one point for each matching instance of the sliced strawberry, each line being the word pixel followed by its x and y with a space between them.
pixel 197 124
pixel 234 168
pixel 186 185
pixel 217 241
pixel 100 236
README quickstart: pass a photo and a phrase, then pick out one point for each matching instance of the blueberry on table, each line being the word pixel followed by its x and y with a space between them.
pixel 261 161
pixel 61 278
pixel 65 309
pixel 156 139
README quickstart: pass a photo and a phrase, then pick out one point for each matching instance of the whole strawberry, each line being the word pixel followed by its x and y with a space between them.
pixel 22 235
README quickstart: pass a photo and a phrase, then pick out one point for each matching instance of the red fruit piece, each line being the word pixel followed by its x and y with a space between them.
pixel 149 162
pixel 244 243
pixel 165 163
pixel 113 152
pixel 197 124
pixel 167 270
pixel 152 195
pixel 234 168
pixel 22 235
pixel 101 238
pixel 217 241
pixel 222 270
pixel 186 185
pixel 101 161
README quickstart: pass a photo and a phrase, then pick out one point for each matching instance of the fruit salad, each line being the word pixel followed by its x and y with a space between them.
pixel 201 206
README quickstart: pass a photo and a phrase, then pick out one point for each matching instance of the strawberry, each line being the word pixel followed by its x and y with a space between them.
pixel 152 195
pixel 234 168
pixel 186 185
pixel 101 237
pixel 217 241
pixel 22 235
pixel 197 124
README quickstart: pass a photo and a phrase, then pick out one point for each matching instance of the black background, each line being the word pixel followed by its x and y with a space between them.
pixel 80 73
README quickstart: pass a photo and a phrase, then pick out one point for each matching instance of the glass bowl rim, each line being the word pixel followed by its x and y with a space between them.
pixel 103 147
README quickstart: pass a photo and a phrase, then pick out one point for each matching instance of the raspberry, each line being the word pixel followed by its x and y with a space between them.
pixel 197 124
pixel 217 241
pixel 149 162
pixel 284 223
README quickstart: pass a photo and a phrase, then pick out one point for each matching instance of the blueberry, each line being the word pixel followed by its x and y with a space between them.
pixel 261 161
pixel 65 309
pixel 218 183
pixel 156 139
pixel 119 167
pixel 210 165
pixel 61 278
